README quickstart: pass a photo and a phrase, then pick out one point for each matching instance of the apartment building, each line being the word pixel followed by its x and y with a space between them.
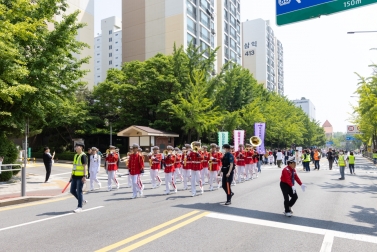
pixel 154 26
pixel 263 54
pixel 107 48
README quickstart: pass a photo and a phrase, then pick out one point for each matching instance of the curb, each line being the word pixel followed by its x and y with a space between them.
pixel 22 200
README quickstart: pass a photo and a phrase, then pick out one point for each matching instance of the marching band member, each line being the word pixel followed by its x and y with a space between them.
pixel 220 156
pixel 169 161
pixel 234 168
pixel 255 162
pixel 94 167
pixel 155 160
pixel 214 167
pixel 240 156
pixel 178 165
pixel 206 157
pixel 186 165
pixel 136 167
pixel 249 160
pixel 112 166
pixel 195 157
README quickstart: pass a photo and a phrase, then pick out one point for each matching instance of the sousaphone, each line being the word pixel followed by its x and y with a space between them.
pixel 255 141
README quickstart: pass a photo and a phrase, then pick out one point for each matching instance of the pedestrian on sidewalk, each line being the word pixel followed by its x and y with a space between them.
pixel 330 158
pixel 94 168
pixel 317 158
pixel 342 161
pixel 227 170
pixel 270 158
pixel 374 155
pixel 47 161
pixel 287 185
pixel 351 163
pixel 275 155
pixel 112 166
pixel 88 155
pixel 279 158
pixel 78 175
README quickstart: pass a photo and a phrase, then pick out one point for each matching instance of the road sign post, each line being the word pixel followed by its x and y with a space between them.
pixel 291 11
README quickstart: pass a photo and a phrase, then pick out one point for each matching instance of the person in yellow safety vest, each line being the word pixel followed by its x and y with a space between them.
pixel 78 176
pixel 306 160
pixel 342 164
pixel 351 163
pixel 375 156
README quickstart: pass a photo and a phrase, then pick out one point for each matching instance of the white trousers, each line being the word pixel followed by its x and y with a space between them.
pixel 204 174
pixel 93 178
pixel 213 178
pixel 154 177
pixel 241 173
pixel 129 180
pixel 137 185
pixel 110 178
pixel 169 180
pixel 177 174
pixel 249 173
pixel 195 178
pixel 186 177
pixel 255 169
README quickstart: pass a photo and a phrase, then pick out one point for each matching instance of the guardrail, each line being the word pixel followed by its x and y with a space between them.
pixel 6 165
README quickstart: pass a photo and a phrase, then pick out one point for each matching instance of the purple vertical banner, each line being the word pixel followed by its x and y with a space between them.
pixel 259 131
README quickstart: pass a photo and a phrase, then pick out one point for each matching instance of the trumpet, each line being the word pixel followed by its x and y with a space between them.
pixel 255 141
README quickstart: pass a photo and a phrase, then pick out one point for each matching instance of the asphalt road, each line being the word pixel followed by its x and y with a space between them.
pixel 332 215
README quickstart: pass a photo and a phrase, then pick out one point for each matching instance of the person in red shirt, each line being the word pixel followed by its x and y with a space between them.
pixel 155 159
pixel 136 167
pixel 214 166
pixel 248 162
pixel 204 172
pixel 287 185
pixel 240 156
pixel 112 166
pixel 169 161
pixel 186 166
pixel 178 165
pixel 196 159
pixel 255 162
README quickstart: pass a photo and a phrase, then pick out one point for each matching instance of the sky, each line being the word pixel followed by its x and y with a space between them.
pixel 320 59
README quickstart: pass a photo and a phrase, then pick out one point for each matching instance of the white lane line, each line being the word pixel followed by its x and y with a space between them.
pixel 55 217
pixel 312 230
pixel 328 240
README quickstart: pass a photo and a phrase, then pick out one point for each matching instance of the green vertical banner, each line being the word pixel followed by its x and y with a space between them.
pixel 223 139
pixel 29 152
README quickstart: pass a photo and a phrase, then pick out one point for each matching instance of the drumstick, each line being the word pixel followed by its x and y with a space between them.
pixel 65 188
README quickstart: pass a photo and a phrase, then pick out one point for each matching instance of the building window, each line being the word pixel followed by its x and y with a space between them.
pixel 116 58
pixel 204 19
pixel 191 39
pixel 97 46
pixel 116 65
pixel 191 10
pixel 204 4
pixel 191 25
pixel 116 49
pixel 97 39
pixel 116 42
pixel 98 76
pixel 111 31
pixel 110 54
pixel 98 68
pixel 110 47
pixel 116 34
pixel 97 54
pixel 110 62
pixel 204 48
pixel 110 39
pixel 204 34
pixel 97 61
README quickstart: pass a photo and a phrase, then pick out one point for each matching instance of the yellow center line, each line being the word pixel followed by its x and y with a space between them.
pixel 162 233
pixel 137 236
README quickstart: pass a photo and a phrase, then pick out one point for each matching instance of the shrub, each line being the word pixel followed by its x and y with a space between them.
pixel 9 151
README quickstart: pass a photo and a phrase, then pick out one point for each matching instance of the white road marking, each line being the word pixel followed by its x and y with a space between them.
pixel 328 240
pixel 55 217
pixel 312 230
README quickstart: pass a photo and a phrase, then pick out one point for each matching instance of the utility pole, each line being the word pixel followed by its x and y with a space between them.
pixel 23 170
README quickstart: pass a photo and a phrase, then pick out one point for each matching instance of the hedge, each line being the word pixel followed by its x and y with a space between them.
pixel 9 151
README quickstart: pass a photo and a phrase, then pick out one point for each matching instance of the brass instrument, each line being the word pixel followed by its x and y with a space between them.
pixel 255 141
pixel 194 148
pixel 165 152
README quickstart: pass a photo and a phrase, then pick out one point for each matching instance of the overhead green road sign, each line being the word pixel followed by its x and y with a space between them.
pixel 291 11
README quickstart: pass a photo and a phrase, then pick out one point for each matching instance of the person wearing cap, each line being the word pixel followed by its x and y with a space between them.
pixel 186 166
pixel 220 155
pixel 78 179
pixel 196 166
pixel 206 156
pixel 255 162
pixel 240 163
pixel 214 167
pixel 169 161
pixel 155 159
pixel 342 162
pixel 94 167
pixel 287 185
pixel 112 166
pixel 136 167
pixel 47 161
pixel 249 153
pixel 177 165
pixel 228 172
